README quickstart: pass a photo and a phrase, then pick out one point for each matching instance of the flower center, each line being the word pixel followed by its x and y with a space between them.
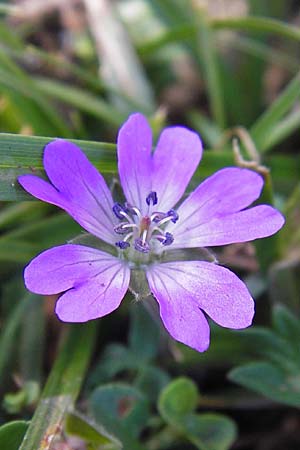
pixel 143 232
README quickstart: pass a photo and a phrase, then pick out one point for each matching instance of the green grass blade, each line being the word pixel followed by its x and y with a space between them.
pixel 209 61
pixel 258 25
pixel 62 387
pixel 265 125
pixel 12 84
pixel 9 334
pixel 80 99
pixel 23 154
pixel 254 47
pixel 289 125
pixel 185 32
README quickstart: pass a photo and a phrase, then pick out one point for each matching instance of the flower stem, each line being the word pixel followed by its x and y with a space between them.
pixel 62 387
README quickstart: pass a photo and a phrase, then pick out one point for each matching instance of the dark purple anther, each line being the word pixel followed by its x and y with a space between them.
pixel 122 245
pixel 169 239
pixel 129 209
pixel 172 213
pixel 120 229
pixel 117 209
pixel 141 246
pixel 158 216
pixel 151 198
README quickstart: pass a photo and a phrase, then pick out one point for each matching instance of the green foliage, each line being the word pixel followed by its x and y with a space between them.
pixel 91 433
pixel 122 405
pixel 177 404
pixel 213 82
pixel 277 374
pixel 178 399
pixel 12 433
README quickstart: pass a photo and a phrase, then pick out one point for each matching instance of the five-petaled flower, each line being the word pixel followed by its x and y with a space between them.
pixel 147 231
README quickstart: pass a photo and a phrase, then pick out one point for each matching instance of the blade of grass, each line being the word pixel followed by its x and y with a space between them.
pixel 286 127
pixel 258 25
pixel 209 62
pixel 62 387
pixel 209 131
pixel 9 334
pixel 265 52
pixel 265 124
pixel 23 154
pixel 81 99
pixel 184 32
pixel 88 79
pixel 16 214
pixel 13 84
pixel 31 347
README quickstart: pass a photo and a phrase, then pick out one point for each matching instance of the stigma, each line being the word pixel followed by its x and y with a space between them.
pixel 143 232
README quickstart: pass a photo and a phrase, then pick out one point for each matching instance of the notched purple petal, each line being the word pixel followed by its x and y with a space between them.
pixel 175 160
pixel 77 187
pixel 134 159
pixel 247 225
pixel 95 298
pixel 184 288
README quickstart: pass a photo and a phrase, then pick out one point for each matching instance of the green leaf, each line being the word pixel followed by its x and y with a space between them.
pixel 12 433
pixel 151 381
pixel 143 334
pixel 122 410
pixel 177 403
pixel 121 403
pixel 286 324
pixel 270 381
pixel 28 395
pixel 83 427
pixel 211 431
pixel 277 375
pixel 178 399
pixel 116 358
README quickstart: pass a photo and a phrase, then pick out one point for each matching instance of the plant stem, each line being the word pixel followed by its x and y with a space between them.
pixel 62 387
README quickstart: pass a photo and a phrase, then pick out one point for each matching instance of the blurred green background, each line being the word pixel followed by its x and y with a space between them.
pixel 229 69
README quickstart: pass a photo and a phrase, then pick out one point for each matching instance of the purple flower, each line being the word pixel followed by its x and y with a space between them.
pixel 148 230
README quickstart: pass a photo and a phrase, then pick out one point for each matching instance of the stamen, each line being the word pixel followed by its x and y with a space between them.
pixel 119 210
pixel 122 227
pixel 151 198
pixel 122 245
pixel 141 245
pixel 157 216
pixel 165 239
pixel 173 214
pixel 129 208
pixel 136 212
pixel 169 239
